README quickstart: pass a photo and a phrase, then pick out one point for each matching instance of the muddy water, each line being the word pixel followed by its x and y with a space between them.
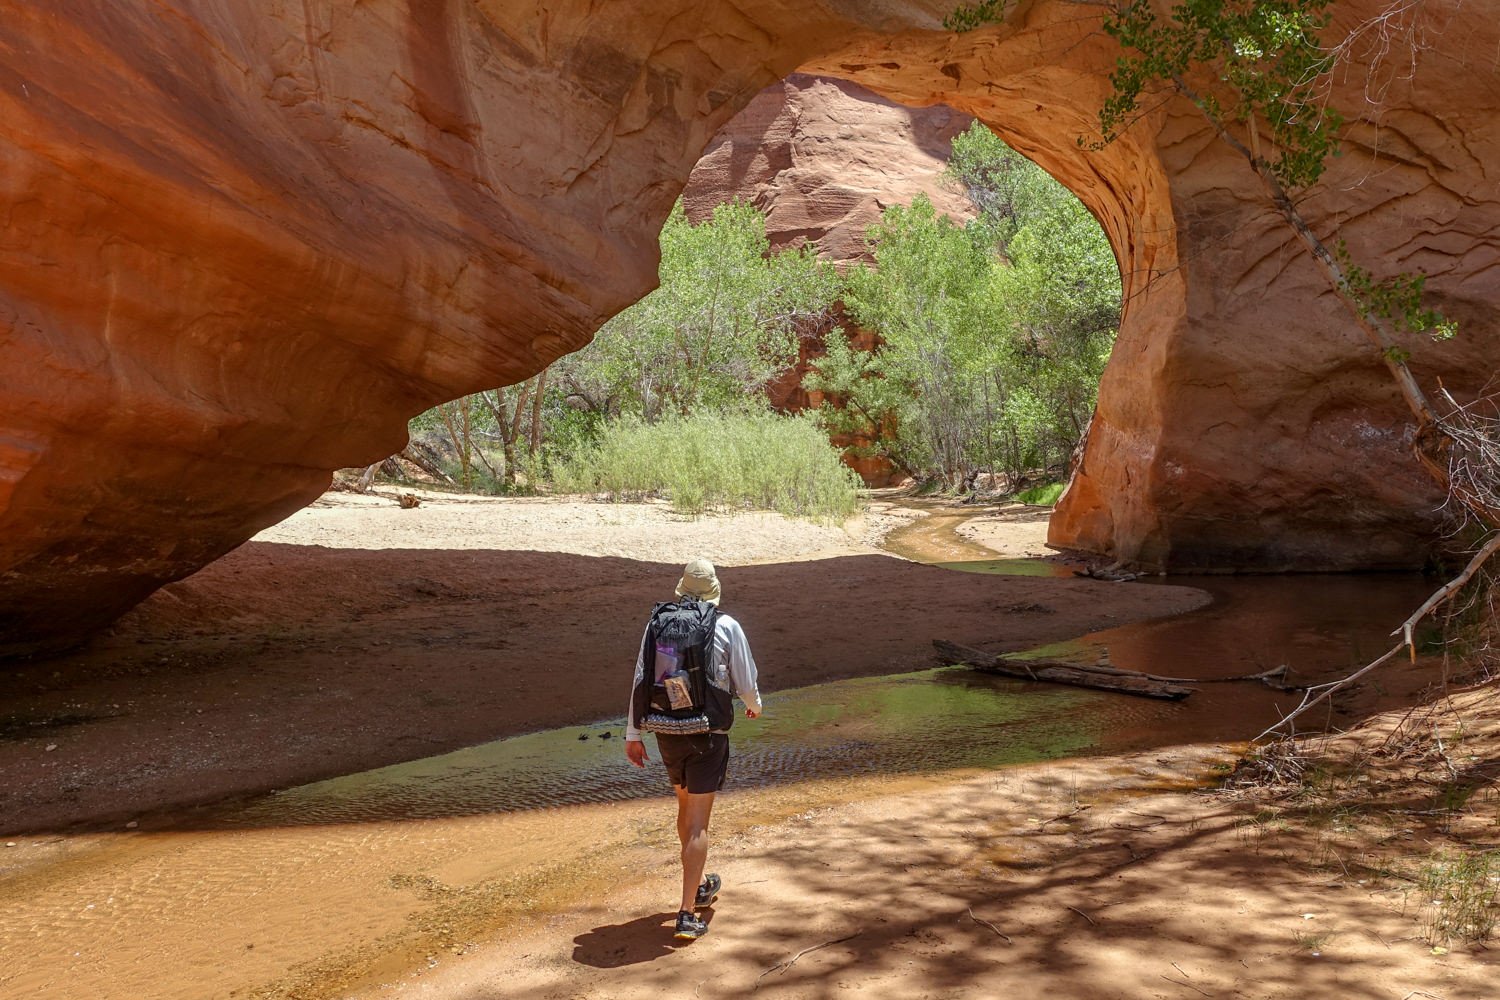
pixel 315 889
pixel 1320 626
pixel 934 538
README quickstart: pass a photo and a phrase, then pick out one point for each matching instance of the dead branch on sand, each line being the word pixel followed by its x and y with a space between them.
pixel 1190 986
pixel 1062 816
pixel 998 932
pixel 781 967
pixel 1084 916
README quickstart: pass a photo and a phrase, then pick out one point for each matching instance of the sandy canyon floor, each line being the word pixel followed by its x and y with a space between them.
pixel 357 635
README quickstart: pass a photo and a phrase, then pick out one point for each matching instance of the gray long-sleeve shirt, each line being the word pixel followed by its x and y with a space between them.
pixel 731 656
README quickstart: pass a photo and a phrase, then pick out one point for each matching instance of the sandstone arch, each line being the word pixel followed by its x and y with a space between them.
pixel 244 241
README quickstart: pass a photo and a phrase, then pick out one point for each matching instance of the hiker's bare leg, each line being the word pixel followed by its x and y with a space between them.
pixel 692 832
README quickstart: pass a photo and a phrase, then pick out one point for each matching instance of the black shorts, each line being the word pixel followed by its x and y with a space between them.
pixel 698 763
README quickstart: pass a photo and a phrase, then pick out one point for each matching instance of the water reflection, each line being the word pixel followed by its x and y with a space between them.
pixel 1319 626
pixel 931 720
pixel 927 721
pixel 1012 567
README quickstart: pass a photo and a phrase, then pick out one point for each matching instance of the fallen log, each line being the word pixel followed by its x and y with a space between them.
pixel 1271 678
pixel 1059 672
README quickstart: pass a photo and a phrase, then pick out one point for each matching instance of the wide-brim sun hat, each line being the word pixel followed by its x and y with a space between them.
pixel 699 581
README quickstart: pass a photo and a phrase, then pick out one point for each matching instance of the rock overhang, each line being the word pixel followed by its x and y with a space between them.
pixel 243 247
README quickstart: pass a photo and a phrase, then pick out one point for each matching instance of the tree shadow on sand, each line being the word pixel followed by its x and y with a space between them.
pixel 1056 885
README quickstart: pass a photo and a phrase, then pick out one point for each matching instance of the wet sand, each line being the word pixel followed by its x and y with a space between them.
pixel 357 634
pixel 287 663
pixel 1114 878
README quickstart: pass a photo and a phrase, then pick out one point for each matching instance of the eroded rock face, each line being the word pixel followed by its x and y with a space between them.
pixel 1243 423
pixel 823 158
pixel 244 243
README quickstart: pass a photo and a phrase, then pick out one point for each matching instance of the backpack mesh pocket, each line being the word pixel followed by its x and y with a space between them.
pixel 690 726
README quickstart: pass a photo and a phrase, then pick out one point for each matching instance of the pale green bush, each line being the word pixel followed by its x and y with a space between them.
pixel 718 461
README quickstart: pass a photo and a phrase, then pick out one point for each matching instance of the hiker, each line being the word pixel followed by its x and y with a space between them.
pixel 699 660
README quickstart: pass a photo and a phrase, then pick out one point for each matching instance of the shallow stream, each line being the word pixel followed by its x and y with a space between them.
pixel 298 887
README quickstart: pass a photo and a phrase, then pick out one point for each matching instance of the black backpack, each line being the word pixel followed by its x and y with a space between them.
pixel 676 694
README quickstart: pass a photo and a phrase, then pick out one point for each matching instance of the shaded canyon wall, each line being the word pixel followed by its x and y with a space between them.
pixel 244 242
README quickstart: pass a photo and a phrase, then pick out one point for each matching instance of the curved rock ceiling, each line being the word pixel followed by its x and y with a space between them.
pixel 244 242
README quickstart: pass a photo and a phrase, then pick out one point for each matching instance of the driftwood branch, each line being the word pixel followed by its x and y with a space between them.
pixel 1265 676
pixel 1448 589
pixel 1319 693
pixel 1059 672
pixel 998 932
pixel 1083 915
pixel 1179 982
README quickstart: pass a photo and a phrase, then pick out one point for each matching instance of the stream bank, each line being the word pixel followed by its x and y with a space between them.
pixel 410 868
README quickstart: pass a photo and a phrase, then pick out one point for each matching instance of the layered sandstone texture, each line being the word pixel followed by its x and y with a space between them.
pixel 244 242
pixel 1243 422
pixel 822 158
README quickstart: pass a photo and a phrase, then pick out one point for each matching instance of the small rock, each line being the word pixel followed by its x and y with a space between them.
pixel 51 747
pixel 606 735
pixel 583 736
pixel 10 843
pixel 131 825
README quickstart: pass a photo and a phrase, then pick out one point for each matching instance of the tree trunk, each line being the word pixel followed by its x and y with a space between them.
pixel 536 412
pixel 428 466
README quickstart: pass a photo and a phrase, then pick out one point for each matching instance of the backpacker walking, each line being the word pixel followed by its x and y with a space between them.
pixel 693 660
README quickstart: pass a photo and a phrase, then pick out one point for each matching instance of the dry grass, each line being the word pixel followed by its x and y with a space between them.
pixel 1356 806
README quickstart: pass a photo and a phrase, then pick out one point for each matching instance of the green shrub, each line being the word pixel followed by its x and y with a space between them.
pixel 1463 892
pixel 1041 496
pixel 718 461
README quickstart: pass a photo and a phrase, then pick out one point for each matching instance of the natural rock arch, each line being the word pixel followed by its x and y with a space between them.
pixel 242 247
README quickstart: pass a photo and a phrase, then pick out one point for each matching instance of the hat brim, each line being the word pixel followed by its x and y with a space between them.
pixel 686 589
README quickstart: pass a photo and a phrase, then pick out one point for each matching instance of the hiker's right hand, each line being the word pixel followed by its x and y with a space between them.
pixel 635 752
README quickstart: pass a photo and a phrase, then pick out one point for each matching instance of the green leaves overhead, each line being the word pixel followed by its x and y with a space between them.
pixel 1259 65
pixel 1266 63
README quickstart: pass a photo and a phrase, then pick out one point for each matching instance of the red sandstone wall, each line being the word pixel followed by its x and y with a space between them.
pixel 244 242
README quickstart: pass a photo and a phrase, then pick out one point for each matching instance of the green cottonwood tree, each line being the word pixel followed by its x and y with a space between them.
pixel 724 323
pixel 994 334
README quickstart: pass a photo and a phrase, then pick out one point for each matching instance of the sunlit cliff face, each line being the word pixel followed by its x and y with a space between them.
pixel 242 247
